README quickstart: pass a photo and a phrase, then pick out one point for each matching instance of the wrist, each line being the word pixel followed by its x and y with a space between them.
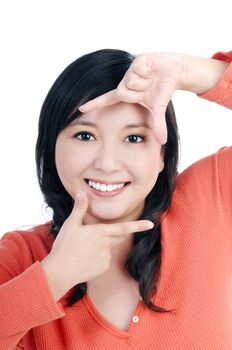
pixel 54 278
pixel 201 74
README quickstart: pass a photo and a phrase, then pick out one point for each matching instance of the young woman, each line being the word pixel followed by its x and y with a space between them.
pixel 135 256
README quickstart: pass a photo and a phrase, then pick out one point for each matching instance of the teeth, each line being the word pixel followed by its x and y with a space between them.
pixel 104 188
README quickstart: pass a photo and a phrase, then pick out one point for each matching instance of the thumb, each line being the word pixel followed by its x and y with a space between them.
pixel 160 128
pixel 80 207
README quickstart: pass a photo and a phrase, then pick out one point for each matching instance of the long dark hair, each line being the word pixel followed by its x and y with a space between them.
pixel 84 79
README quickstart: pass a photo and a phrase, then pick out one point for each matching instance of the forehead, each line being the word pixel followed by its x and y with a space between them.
pixel 118 115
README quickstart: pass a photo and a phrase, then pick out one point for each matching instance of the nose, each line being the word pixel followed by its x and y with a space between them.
pixel 107 159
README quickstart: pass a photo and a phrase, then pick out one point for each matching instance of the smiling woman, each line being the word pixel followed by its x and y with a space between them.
pixel 108 157
pixel 65 161
pixel 135 254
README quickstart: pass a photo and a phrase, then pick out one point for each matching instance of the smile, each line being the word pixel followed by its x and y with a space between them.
pixel 103 189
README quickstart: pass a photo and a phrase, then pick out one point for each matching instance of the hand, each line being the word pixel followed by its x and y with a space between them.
pixel 150 81
pixel 82 252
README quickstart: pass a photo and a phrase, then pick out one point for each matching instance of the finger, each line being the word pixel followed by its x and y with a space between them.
pixel 157 123
pixel 142 66
pixel 160 128
pixel 142 70
pixel 116 240
pixel 107 99
pixel 137 83
pixel 129 96
pixel 80 207
pixel 102 101
pixel 125 228
pixel 158 106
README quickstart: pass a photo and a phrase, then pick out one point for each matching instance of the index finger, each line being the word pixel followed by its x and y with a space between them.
pixel 160 128
pixel 107 99
pixel 125 228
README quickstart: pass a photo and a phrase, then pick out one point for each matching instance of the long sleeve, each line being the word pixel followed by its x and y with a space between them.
pixel 221 93
pixel 25 298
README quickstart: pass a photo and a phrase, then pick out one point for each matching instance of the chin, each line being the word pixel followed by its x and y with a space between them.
pixel 107 215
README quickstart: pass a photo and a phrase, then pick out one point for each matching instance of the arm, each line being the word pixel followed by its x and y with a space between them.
pixel 152 79
pixel 25 298
pixel 202 74
pixel 31 280
pixel 221 92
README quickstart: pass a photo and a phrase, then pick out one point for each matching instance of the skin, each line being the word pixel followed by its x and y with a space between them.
pixel 110 155
pixel 150 82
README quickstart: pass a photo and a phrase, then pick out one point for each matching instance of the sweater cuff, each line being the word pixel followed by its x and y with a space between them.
pixel 53 308
pixel 221 93
pixel 26 302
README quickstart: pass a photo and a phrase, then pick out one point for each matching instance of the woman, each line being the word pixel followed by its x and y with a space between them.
pixel 108 170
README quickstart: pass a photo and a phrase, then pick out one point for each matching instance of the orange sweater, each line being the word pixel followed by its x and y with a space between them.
pixel 196 274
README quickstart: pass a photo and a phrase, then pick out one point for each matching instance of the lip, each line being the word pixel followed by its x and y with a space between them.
pixel 107 182
pixel 106 193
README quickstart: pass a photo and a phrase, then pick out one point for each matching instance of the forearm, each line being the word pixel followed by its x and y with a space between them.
pixel 25 303
pixel 202 74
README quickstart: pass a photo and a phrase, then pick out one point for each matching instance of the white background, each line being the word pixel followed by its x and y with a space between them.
pixel 40 38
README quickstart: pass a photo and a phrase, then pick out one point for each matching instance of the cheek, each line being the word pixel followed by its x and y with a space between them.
pixel 71 164
pixel 148 163
pixel 148 169
pixel 68 164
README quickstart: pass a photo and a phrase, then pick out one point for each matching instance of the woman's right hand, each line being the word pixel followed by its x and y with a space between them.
pixel 82 252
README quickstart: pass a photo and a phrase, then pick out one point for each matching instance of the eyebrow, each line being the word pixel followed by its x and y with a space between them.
pixel 129 126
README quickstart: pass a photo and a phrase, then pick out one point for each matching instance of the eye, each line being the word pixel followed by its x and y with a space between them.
pixel 86 136
pixel 134 138
pixel 83 136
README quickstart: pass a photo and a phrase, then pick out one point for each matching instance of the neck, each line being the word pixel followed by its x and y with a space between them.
pixel 120 252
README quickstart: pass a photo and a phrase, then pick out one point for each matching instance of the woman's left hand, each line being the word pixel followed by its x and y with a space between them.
pixel 150 81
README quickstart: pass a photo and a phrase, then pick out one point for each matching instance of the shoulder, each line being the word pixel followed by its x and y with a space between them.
pixel 208 172
pixel 201 206
pixel 205 188
pixel 32 244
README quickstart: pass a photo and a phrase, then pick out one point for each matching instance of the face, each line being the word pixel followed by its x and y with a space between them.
pixel 111 152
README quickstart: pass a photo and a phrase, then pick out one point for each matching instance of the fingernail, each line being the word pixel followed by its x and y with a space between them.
pixel 149 225
pixel 79 196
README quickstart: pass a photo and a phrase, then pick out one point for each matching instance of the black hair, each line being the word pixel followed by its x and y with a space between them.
pixel 84 79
